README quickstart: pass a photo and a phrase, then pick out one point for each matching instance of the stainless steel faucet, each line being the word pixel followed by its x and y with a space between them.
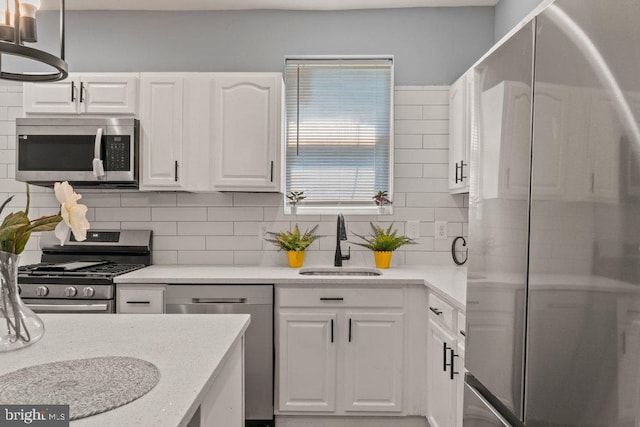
pixel 341 234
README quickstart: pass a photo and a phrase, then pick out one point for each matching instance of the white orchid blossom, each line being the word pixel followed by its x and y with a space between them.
pixel 74 215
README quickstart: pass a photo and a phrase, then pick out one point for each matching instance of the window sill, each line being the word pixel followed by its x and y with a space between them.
pixel 334 210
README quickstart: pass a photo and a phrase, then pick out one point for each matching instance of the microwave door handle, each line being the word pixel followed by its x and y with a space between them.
pixel 98 166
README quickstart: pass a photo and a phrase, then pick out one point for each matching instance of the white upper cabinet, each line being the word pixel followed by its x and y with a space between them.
pixel 161 131
pixel 86 93
pixel 461 131
pixel 247 131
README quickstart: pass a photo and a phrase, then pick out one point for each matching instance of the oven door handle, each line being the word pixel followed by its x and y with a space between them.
pixel 68 307
pixel 98 166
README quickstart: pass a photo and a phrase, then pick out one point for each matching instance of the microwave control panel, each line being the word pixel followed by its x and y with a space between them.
pixel 118 156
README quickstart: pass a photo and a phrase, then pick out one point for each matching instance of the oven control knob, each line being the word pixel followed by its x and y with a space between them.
pixel 88 292
pixel 42 291
pixel 70 291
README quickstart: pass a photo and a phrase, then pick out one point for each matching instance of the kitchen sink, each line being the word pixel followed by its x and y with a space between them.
pixel 339 271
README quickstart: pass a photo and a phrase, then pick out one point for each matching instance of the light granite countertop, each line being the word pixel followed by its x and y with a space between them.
pixel 450 282
pixel 189 351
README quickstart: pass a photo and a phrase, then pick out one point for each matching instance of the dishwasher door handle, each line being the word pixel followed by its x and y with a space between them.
pixel 219 300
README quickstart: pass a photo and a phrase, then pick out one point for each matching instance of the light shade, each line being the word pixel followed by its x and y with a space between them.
pixel 17 26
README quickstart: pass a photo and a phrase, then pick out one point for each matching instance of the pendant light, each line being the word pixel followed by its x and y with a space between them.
pixel 17 26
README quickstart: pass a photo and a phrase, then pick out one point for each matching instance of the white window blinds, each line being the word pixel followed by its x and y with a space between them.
pixel 339 129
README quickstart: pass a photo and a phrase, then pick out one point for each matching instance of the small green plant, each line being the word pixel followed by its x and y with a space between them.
pixel 382 198
pixel 295 197
pixel 293 240
pixel 383 239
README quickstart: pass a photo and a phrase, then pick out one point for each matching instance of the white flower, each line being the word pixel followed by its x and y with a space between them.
pixel 74 215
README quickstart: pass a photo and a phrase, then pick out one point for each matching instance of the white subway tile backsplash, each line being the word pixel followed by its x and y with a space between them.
pixel 420 127
pixel 405 170
pixel 179 242
pixel 233 243
pixel 205 257
pixel 179 214
pixel 148 199
pixel 407 141
pixel 223 228
pixel 435 141
pixel 123 214
pixel 237 214
pixel 421 156
pixel 410 112
pixel 159 228
pixel 205 199
pixel 197 228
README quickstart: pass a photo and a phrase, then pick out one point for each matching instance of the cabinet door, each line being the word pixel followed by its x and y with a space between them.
pixel 457 136
pixel 108 94
pixel 246 132
pixel 604 149
pixel 374 356
pixel 52 98
pixel 161 131
pixel 307 362
pixel 442 391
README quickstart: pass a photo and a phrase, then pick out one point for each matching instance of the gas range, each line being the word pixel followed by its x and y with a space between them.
pixel 79 276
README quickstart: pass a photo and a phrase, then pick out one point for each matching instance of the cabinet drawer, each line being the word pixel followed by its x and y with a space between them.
pixel 441 310
pixel 140 300
pixel 340 297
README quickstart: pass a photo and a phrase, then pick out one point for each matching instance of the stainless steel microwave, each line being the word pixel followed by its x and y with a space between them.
pixel 87 152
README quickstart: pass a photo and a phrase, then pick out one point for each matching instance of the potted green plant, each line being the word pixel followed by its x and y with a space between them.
pixel 383 241
pixel 295 198
pixel 294 242
pixel 382 200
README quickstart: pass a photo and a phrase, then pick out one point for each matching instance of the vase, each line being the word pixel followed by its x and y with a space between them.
pixel 296 258
pixel 19 325
pixel 382 259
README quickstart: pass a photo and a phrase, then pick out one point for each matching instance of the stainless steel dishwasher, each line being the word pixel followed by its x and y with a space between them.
pixel 256 300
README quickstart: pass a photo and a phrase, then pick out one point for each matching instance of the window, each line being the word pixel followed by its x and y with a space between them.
pixel 339 132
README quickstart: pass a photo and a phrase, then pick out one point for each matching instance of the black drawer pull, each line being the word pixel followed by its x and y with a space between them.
pixel 138 302
pixel 331 299
pixel 349 330
pixel 463 334
pixel 453 364
pixel 435 310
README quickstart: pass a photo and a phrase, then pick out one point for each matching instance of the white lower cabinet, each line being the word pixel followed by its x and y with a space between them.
pixel 373 359
pixel 307 359
pixel 445 364
pixel 442 390
pixel 336 359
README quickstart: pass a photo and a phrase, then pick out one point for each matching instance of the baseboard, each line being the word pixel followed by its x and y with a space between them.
pixel 330 421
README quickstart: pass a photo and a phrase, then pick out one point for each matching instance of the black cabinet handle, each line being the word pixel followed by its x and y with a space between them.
pixel 331 299
pixel 73 91
pixel 462 333
pixel 435 310
pixel 271 170
pixel 349 330
pixel 457 180
pixel 462 177
pixel 139 302
pixel 81 91
pixel 445 350
pixel 453 364
pixel 175 172
pixel 331 330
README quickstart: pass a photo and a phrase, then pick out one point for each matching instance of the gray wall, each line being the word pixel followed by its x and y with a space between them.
pixel 431 45
pixel 509 12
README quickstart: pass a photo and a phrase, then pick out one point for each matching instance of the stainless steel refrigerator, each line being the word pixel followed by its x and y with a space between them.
pixel 553 300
